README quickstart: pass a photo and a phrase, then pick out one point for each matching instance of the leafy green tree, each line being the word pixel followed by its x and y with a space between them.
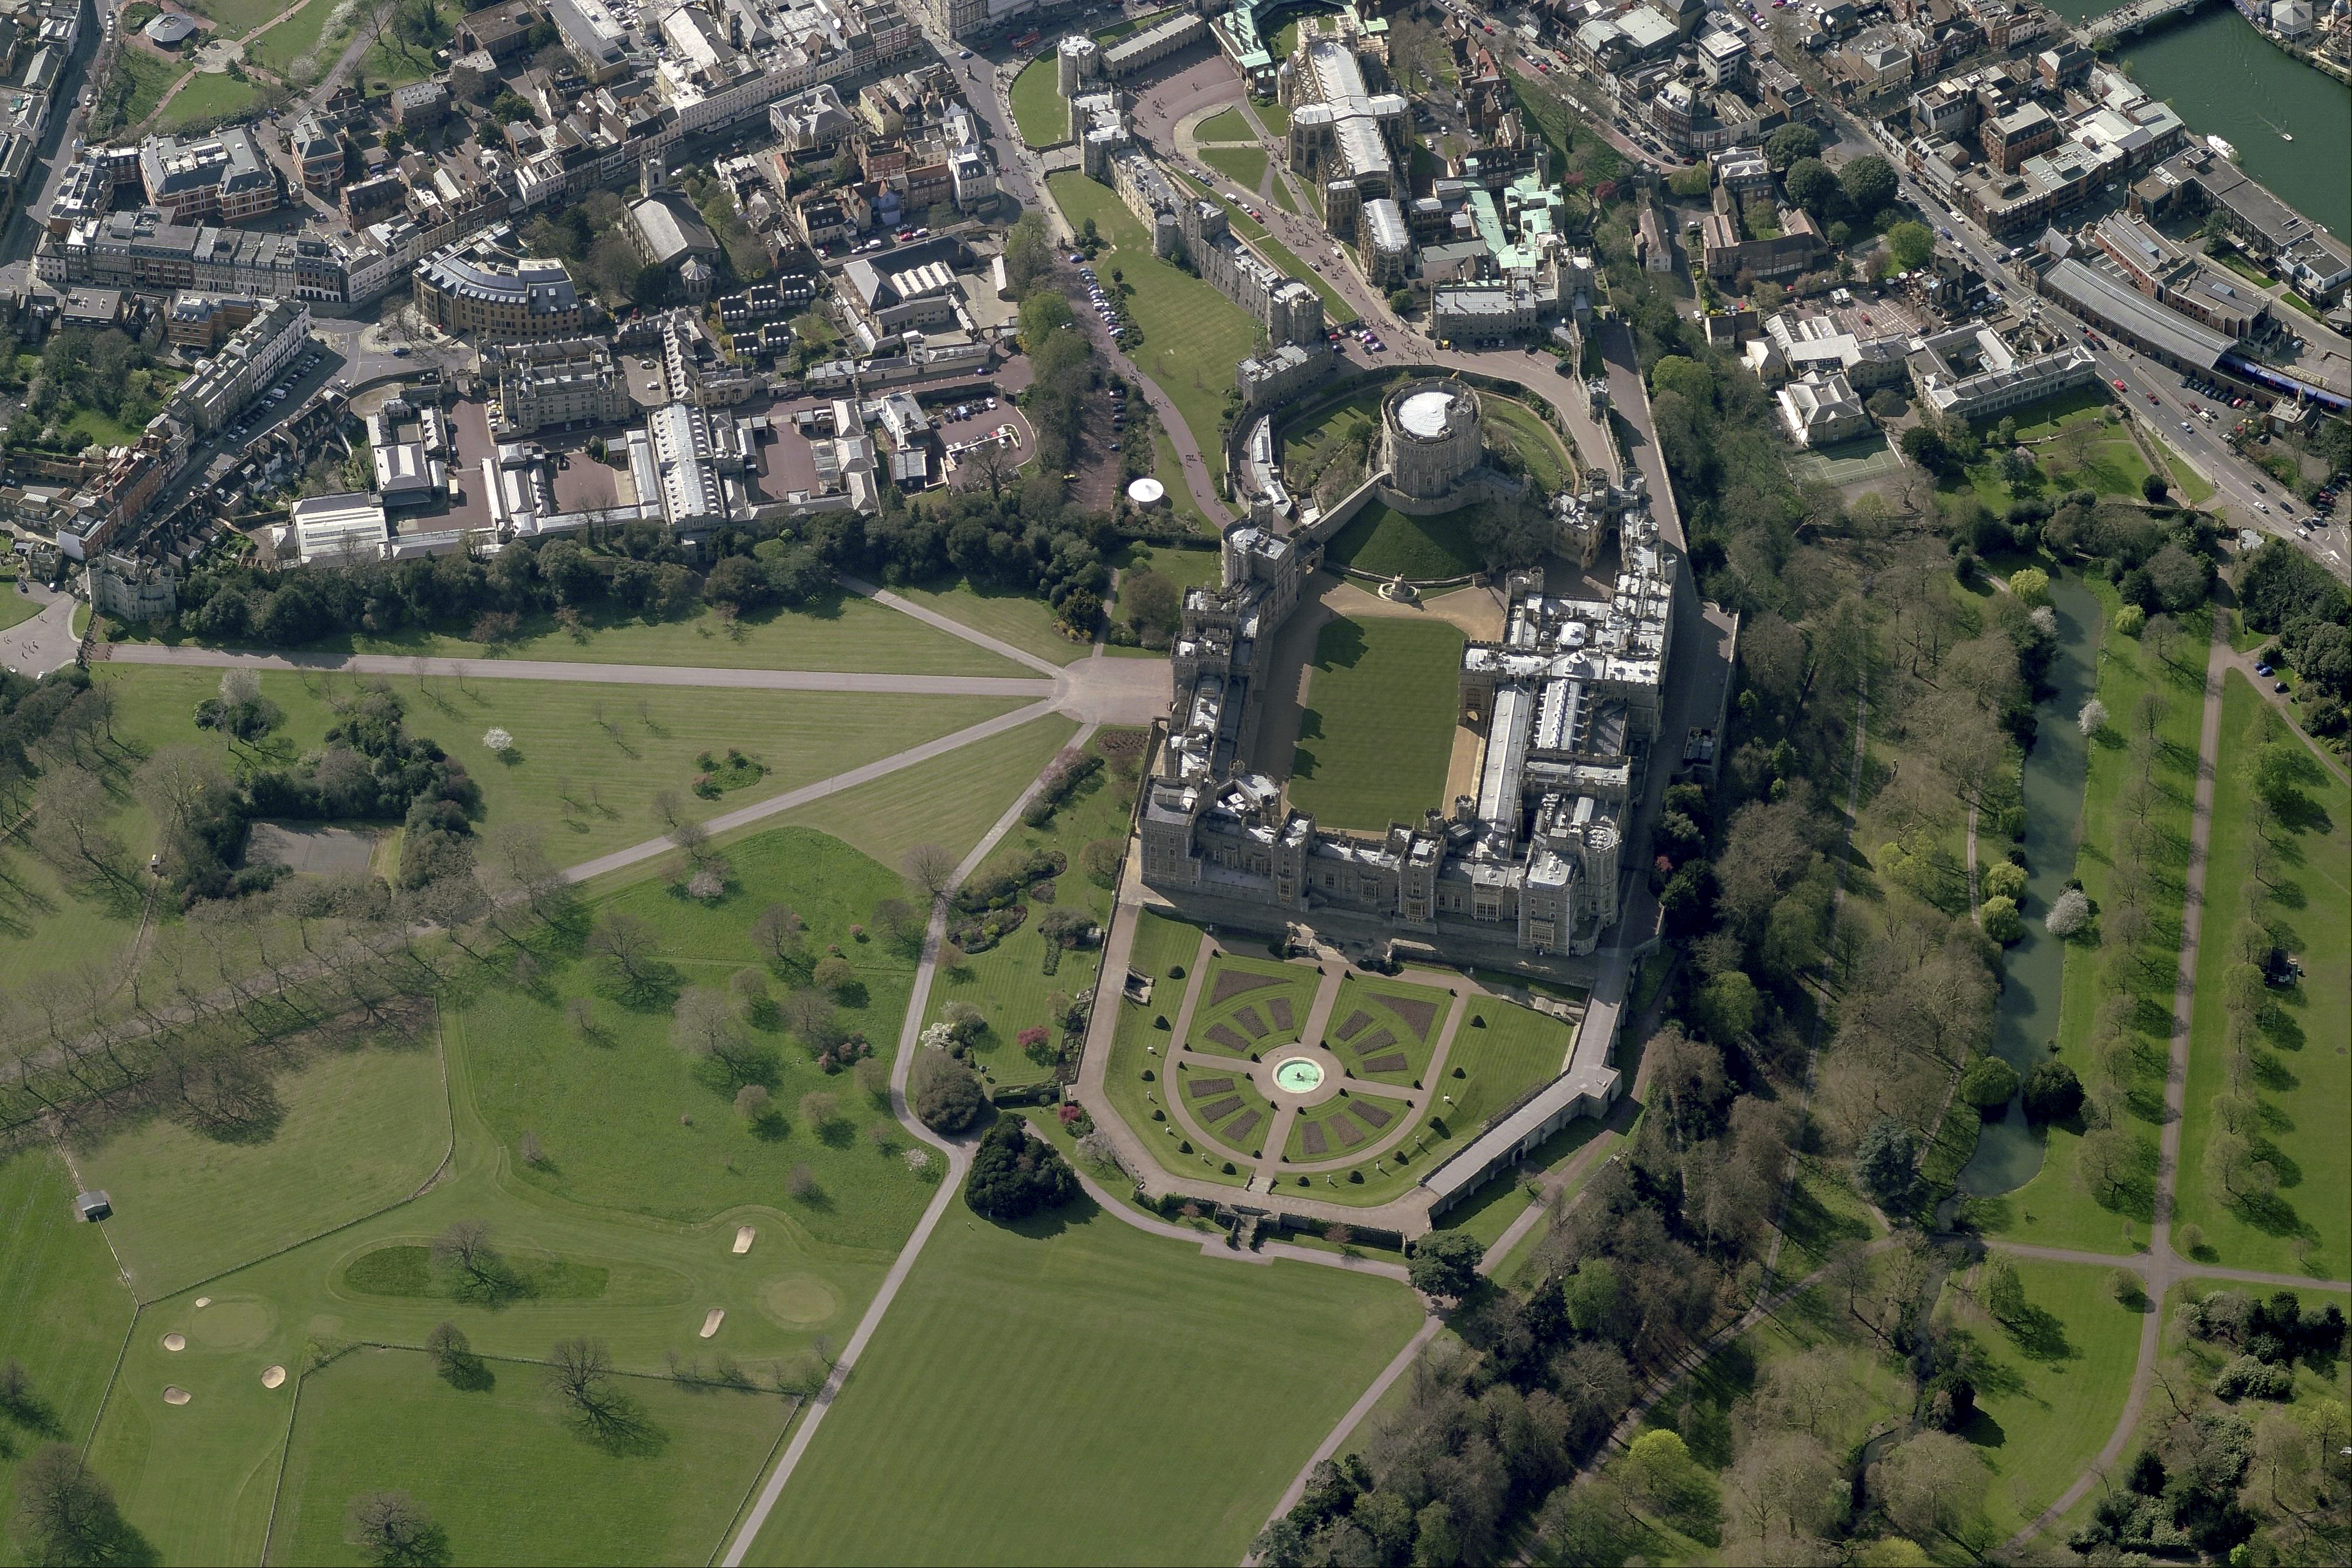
pixel 1989 1083
pixel 1811 186
pixel 1014 1175
pixel 2001 921
pixel 944 1092
pixel 1446 1263
pixel 2053 1093
pixel 1883 1163
pixel 1911 244
pixel 1787 145
pixel 1868 183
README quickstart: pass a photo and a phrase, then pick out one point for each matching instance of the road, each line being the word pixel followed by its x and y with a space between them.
pixel 22 233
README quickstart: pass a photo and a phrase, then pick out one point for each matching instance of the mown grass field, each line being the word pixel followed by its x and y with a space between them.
pixel 63 1310
pixel 1009 615
pixel 1385 541
pixel 841 632
pixel 627 1101
pixel 357 1130
pixel 588 756
pixel 1039 112
pixel 645 1173
pixel 2301 1076
pixel 1193 335
pixel 1076 1391
pixel 949 800
pixel 2057 1385
pixel 209 97
pixel 1378 732
pixel 505 1477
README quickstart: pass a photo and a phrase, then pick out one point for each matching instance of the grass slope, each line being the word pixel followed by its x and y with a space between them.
pixel 1039 112
pixel 1193 335
pixel 505 1477
pixel 1374 743
pixel 1076 1391
pixel 1008 983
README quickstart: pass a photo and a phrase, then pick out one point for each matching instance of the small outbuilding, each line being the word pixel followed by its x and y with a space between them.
pixel 168 30
pixel 93 1205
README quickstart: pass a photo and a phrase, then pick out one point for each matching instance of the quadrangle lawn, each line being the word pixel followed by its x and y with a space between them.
pixel 1077 1391
pixel 505 1477
pixel 1227 125
pixel 359 1129
pixel 1378 732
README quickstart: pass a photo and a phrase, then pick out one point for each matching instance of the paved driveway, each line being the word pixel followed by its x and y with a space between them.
pixel 46 641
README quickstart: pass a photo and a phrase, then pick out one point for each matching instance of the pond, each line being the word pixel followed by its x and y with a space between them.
pixel 2025 1021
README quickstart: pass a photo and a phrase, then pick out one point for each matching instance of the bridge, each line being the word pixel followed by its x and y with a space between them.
pixel 2127 19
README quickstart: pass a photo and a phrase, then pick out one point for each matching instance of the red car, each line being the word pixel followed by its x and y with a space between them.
pixel 2119 383
pixel 2152 398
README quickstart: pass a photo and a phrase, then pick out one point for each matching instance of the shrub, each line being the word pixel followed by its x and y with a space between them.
pixel 2001 921
pixel 1989 1083
pixel 2249 1378
pixel 2053 1093
pixel 945 1093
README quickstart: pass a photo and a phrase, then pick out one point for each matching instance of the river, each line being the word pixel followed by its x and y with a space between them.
pixel 2025 1021
pixel 2225 79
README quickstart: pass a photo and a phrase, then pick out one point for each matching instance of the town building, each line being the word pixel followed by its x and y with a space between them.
pixel 559 382
pixel 223 177
pixel 1819 409
pixel 485 286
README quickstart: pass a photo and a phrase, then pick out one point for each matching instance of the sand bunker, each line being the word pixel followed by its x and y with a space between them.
pixel 176 1341
pixel 175 1396
pixel 744 1235
pixel 273 1376
pixel 203 1300
pixel 711 1321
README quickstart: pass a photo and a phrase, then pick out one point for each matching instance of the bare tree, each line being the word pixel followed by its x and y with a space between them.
pixel 668 806
pixel 66 1513
pixel 703 1024
pixel 930 867
pixel 751 1103
pixel 810 1015
pixel 579 1375
pixel 464 1249
pixel 778 933
pixel 629 946
pixel 581 1014
pixel 390 1529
